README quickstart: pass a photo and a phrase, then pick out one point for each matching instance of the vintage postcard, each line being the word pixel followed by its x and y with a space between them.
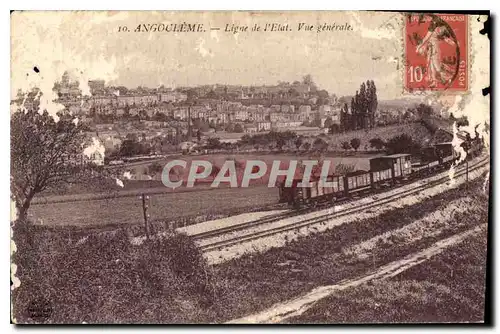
pixel 214 167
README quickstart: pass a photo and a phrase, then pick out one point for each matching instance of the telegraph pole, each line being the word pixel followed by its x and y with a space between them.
pixel 189 122
pixel 467 168
pixel 145 213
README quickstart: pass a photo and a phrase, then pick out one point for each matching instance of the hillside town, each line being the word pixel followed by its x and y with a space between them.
pixel 153 121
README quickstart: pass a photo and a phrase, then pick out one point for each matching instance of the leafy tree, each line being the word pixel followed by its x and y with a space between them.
pixel 246 139
pixel 212 95
pixel 298 142
pixel 402 144
pixel 372 101
pixel 213 143
pixel 345 145
pixel 345 122
pixel 364 105
pixel 131 147
pixel 377 143
pixel 424 111
pixel 306 146
pixel 320 144
pixel 328 122
pixel 238 128
pixel 280 142
pixel 355 142
pixel 334 128
pixel 44 154
pixel 307 79
pixel 192 94
pixel 155 168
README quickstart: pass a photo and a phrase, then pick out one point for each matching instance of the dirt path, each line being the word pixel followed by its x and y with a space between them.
pixel 297 306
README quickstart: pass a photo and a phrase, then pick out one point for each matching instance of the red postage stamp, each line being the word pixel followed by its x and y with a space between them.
pixel 436 50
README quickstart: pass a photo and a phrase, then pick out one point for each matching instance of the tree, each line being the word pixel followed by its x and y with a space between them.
pixel 212 95
pixel 238 128
pixel 345 145
pixel 335 128
pixel 364 105
pixel 130 147
pixel 155 168
pixel 280 142
pixel 377 143
pixel 307 79
pixel 355 142
pixel 328 122
pixel 345 122
pixel 44 154
pixel 298 142
pixel 213 143
pixel 372 101
pixel 424 111
pixel 354 112
pixel 306 146
pixel 320 144
pixel 192 95
pixel 322 97
pixel 402 144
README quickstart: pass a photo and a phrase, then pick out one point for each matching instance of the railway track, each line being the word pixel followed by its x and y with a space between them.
pixel 217 245
pixel 275 217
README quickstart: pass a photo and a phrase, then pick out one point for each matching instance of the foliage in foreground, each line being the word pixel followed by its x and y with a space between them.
pixel 105 278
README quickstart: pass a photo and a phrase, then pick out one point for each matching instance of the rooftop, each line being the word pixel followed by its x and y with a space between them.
pixel 395 156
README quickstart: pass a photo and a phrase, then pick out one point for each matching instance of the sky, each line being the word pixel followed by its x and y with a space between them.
pixel 89 45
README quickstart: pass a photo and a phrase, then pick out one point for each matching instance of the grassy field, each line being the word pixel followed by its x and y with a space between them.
pixel 168 206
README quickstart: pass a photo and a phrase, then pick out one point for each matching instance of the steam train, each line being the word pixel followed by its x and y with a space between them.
pixel 385 171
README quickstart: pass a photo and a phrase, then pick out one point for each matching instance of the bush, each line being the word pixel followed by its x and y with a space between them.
pixel 403 144
pixel 355 142
pixel 377 143
pixel 105 278
pixel 155 168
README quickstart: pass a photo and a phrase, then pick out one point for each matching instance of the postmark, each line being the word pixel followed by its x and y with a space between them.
pixel 436 52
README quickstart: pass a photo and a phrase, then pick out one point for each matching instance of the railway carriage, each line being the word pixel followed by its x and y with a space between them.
pixel 445 154
pixel 380 178
pixel 317 192
pixel 398 164
pixel 357 181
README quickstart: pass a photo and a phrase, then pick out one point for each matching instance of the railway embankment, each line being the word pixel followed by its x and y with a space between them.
pixel 449 287
pixel 268 233
pixel 350 251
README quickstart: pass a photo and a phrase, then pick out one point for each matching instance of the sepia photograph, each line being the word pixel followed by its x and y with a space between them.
pixel 249 167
